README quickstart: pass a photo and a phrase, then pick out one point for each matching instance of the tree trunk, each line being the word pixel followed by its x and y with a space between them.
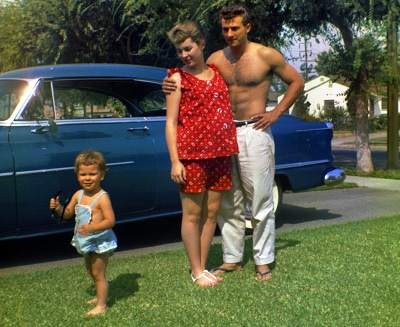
pixel 364 160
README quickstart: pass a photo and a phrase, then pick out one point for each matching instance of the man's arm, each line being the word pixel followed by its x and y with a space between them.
pixel 289 76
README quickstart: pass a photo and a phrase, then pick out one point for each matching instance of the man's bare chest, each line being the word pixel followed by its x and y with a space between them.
pixel 244 73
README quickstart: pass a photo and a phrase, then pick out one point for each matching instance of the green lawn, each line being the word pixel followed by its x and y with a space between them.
pixel 339 275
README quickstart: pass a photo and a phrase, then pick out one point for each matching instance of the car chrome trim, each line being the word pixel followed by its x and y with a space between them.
pixel 335 176
pixel 44 171
pixel 60 122
pixel 301 164
pixel 310 130
pixel 7 174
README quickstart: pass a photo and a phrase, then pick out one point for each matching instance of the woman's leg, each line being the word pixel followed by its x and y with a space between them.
pixel 211 203
pixel 99 264
pixel 190 231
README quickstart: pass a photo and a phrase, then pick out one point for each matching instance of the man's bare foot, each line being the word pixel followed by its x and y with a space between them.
pixel 263 272
pixel 97 310
pixel 226 268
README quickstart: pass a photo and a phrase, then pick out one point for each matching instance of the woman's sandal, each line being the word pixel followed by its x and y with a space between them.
pixel 207 275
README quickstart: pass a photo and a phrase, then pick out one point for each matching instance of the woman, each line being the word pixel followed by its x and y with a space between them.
pixel 201 136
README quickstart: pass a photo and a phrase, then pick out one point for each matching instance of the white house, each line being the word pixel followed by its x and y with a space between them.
pixel 322 93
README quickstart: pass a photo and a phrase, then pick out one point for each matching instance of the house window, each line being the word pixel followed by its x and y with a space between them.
pixel 329 105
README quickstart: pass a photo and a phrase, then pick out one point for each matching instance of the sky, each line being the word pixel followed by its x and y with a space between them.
pixel 296 55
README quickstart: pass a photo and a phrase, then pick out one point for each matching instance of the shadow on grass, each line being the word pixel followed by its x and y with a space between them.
pixel 215 254
pixel 291 214
pixel 122 287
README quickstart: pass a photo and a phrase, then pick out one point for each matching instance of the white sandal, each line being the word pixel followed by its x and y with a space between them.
pixel 216 278
pixel 206 274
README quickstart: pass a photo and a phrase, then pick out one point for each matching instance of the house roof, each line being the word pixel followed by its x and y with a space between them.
pixel 317 82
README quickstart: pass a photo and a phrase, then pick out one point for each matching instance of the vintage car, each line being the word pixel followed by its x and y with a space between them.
pixel 49 114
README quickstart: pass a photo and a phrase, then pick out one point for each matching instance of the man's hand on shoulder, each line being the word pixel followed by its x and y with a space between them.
pixel 168 85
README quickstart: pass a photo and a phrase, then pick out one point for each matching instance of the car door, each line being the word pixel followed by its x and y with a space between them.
pixel 83 115
pixel 10 93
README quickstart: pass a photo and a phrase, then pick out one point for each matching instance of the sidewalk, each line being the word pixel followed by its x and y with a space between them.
pixel 375 183
pixel 350 141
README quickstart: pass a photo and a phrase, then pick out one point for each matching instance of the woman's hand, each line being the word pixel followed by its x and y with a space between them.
pixel 178 173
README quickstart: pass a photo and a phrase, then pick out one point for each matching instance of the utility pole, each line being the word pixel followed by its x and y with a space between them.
pixel 392 89
pixel 305 68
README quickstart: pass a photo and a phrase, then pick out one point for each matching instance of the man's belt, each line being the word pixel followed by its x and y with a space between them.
pixel 239 123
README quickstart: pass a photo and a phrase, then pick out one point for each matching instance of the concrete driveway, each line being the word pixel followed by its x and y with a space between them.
pixel 374 198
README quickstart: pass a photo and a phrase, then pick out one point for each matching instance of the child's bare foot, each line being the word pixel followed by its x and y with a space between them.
pixel 92 301
pixel 97 310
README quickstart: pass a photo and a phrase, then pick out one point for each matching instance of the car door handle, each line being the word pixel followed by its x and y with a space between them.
pixel 40 130
pixel 144 129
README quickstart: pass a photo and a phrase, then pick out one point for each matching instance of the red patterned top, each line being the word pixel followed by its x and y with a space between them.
pixel 205 122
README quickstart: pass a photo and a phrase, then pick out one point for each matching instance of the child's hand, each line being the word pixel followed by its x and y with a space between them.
pixel 55 203
pixel 84 230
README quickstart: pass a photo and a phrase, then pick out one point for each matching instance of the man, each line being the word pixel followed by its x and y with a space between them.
pixel 247 69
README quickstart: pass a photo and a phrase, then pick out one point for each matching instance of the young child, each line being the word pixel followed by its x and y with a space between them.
pixel 94 218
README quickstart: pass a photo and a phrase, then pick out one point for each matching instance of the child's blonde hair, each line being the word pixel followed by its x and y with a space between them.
pixel 90 157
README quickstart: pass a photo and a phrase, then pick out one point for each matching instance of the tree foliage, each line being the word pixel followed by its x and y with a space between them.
pixel 357 56
pixel 37 32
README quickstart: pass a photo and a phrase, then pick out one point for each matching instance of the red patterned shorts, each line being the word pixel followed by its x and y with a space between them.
pixel 207 174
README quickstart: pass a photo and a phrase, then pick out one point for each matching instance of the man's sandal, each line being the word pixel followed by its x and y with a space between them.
pixel 262 275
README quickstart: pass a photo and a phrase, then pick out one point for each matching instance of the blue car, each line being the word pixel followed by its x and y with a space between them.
pixel 49 114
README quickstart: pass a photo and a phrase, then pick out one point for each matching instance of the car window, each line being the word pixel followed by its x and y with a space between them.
pixel 153 103
pixel 10 94
pixel 95 98
pixel 40 105
pixel 82 104
pixel 62 100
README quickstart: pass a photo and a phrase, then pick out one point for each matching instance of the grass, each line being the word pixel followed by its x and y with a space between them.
pixel 380 173
pixel 339 275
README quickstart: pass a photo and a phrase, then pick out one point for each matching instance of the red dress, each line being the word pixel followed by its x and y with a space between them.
pixel 205 122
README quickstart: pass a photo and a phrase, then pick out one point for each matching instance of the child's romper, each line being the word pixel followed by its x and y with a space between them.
pixel 99 242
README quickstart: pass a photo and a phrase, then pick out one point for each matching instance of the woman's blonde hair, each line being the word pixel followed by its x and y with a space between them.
pixel 188 29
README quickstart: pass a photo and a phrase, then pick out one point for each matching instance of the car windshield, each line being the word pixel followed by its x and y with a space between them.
pixel 11 92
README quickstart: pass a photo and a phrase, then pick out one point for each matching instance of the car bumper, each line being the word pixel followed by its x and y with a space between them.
pixel 335 176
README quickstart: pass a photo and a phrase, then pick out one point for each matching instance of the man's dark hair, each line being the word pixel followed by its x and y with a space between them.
pixel 231 12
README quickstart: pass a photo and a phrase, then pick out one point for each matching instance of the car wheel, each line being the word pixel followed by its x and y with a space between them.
pixel 277 194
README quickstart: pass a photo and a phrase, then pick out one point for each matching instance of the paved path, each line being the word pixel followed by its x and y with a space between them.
pixel 374 198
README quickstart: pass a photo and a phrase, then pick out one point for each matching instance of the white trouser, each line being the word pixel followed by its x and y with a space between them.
pixel 253 172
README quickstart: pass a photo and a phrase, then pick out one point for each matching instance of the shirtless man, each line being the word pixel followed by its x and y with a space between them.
pixel 247 69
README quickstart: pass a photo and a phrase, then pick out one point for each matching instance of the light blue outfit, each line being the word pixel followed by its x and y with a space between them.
pixel 253 171
pixel 99 242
